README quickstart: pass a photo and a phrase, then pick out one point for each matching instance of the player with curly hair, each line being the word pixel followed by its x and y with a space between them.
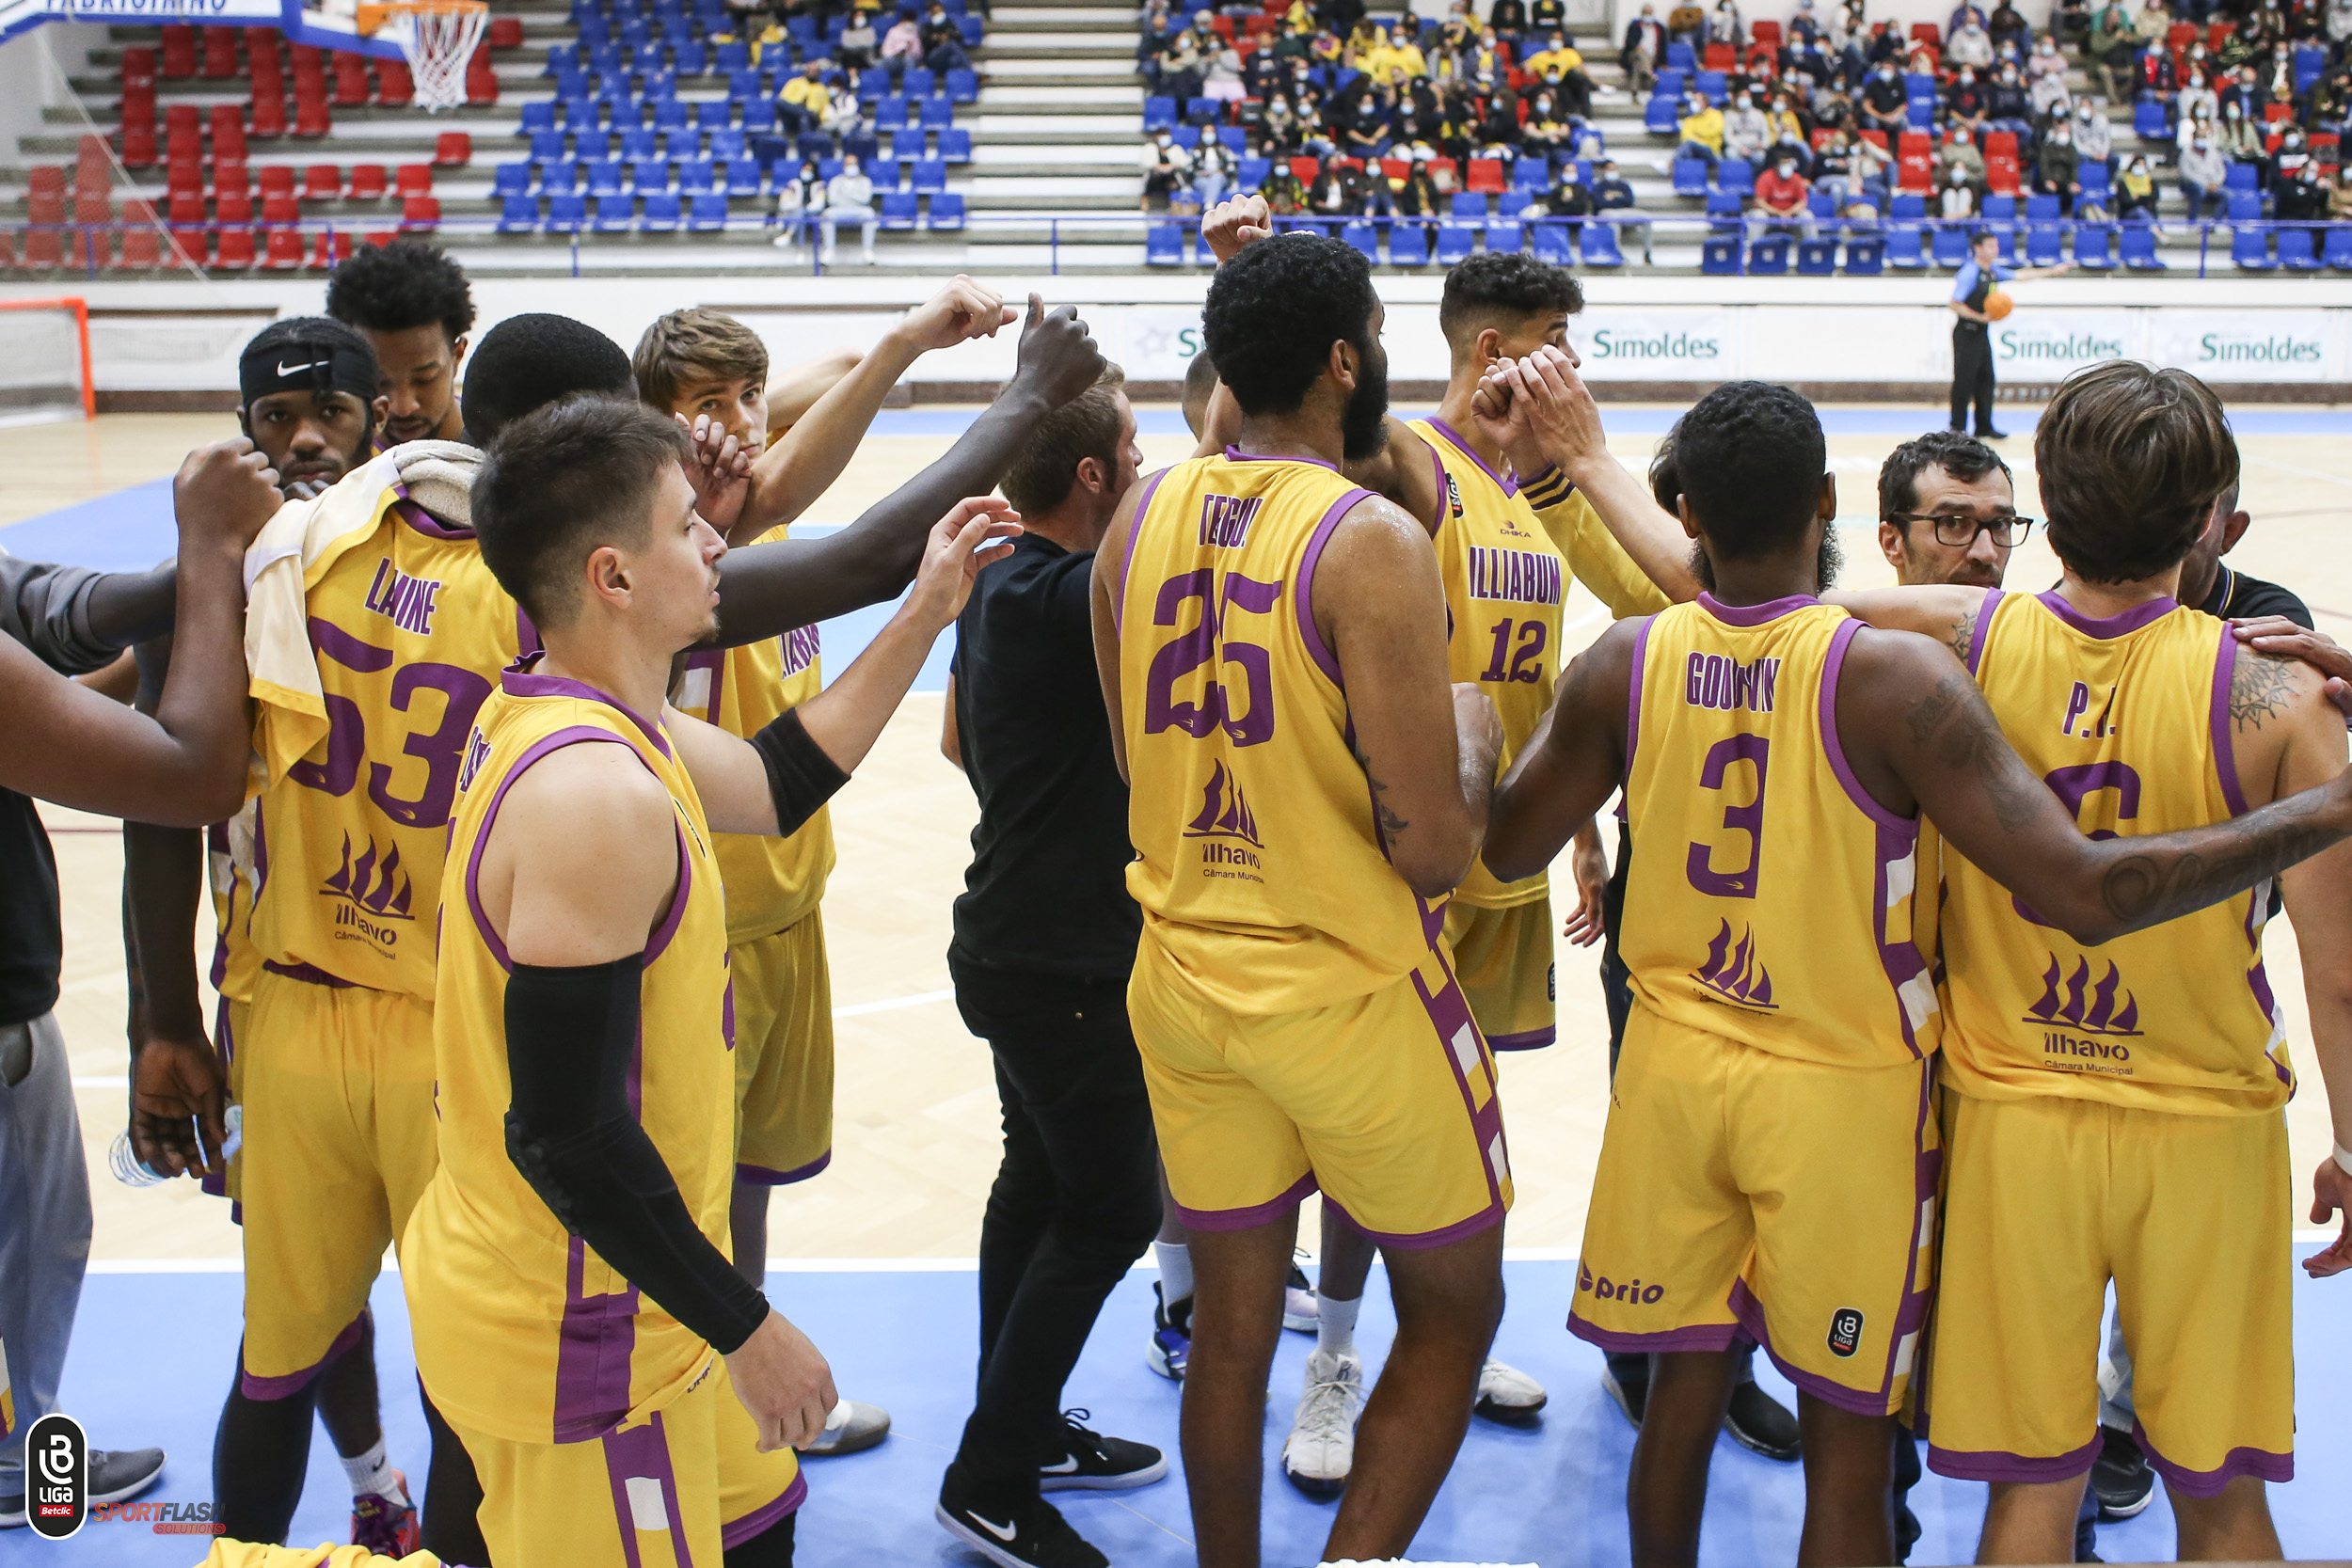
pixel 412 304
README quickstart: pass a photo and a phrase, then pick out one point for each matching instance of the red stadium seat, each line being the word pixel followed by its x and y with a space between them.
pixel 233 209
pixel 1488 177
pixel 394 87
pixel 415 180
pixel 280 209
pixel 236 249
pixel 421 213
pixel 177 52
pixel 367 182
pixel 142 251
pixel 506 32
pixel 282 251
pixel 322 182
pixel 452 150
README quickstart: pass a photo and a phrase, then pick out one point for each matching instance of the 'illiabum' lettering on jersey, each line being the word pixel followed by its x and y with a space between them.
pixel 407 602
pixel 1523 576
pixel 1710 680
pixel 1225 520
pixel 800 649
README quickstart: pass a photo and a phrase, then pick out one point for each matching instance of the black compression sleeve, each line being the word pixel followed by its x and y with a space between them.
pixel 799 775
pixel 570 1035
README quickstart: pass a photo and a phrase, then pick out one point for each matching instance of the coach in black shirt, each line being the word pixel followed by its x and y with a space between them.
pixel 1044 935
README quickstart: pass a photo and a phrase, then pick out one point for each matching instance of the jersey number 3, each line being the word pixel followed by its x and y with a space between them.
pixel 439 749
pixel 1747 819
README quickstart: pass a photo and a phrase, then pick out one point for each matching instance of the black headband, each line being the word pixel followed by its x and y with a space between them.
pixel 300 367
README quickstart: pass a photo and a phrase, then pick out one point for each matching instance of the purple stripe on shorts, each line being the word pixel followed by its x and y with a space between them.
pixel 1303 594
pixel 1134 527
pixel 1486 1219
pixel 569 735
pixel 644 1453
pixel 1706 1336
pixel 1530 1040
pixel 2275 1467
pixel 1996 1465
pixel 760 1520
pixel 1245 1219
pixel 310 975
pixel 1984 625
pixel 1749 1311
pixel 1839 642
pixel 2112 626
pixel 2218 725
pixel 760 1176
pixel 254 1388
pixel 596 1341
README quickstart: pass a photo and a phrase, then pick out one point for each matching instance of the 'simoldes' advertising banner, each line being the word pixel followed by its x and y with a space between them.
pixel 1667 344
pixel 2049 343
pixel 2246 345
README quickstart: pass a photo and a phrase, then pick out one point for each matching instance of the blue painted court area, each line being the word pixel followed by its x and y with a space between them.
pixel 152 1353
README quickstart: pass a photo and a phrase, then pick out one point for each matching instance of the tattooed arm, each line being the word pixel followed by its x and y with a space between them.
pixel 1918 736
pixel 1946 613
pixel 1571 765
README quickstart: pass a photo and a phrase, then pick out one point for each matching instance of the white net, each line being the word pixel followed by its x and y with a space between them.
pixel 441 42
pixel 41 360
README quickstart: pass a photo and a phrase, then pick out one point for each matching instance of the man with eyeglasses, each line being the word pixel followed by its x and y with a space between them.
pixel 1947 512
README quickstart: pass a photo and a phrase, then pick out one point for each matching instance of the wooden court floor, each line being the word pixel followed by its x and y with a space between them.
pixel 915 1117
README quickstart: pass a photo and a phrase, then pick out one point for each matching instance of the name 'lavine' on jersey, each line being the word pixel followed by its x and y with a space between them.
pixel 1770 900
pixel 407 602
pixel 1261 871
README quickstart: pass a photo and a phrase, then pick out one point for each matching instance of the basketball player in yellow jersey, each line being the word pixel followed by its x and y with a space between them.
pixel 1271 640
pixel 1769 1164
pixel 565 1273
pixel 2126 1102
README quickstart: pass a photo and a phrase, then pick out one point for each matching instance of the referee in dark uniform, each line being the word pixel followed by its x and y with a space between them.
pixel 1972 338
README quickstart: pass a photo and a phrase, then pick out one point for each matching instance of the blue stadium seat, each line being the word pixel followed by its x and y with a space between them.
pixel 1682 56
pixel 511 180
pixel 562 176
pixel 906 145
pixel 571 84
pixel 1670 82
pixel 670 114
pixel 2092 177
pixel 2149 120
pixel 1907 207
pixel 1159 113
pixel 1903 247
pixel 919 82
pixel 731 57
pixel 742 177
pixel 2139 246
pixel 890 114
pixel 727 144
pixel 1866 256
pixel 546 146
pixel 1661 115
pixel 715 113
pixel 1714 85
pixel 1769 256
pixel 1409 245
pixel 1531 174
pixel 1736 177
pixel 1821 204
pixel 2310 61
pixel 579 112
pixel 2045 244
pixel 561 57
pixel 1468 205
pixel 1249 173
pixel 827 167
pixel 897 208
pixel 1163 246
pixel 813 144
pixel 647 58
pixel 972 30
pixel 649 174
pixel 661 211
pixel 1550 242
pixel 615 213
pixel 1599 243
pixel 697 174
pixel 640 144
pixel 2299 249
pixel 1506 238
pixel 1186 136
pixel 2336 249
pixel 1455 241
pixel 566 211
pixel 2243 176
pixel 2249 248
pixel 1719 255
pixel 1365 238
pixel 603 176
pixel 930 174
pixel 873 85
pixel 538 114
pixel 1951 246
pixel 938 114
pixel 744 84
pixel 760 116
pixel 2246 206
pixel 1817 257
pixel 520 214
pixel 2041 209
pixel 964 87
pixel 1235 138
pixel 947 211
pixel 1689 177
pixel 955 144
pixel 687 59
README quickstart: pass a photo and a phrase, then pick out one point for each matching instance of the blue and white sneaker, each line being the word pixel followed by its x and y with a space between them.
pixel 1299 1309
pixel 1171 1336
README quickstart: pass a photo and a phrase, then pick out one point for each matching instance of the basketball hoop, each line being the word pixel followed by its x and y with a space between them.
pixel 439 39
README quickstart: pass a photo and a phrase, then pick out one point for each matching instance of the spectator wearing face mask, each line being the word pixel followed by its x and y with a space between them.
pixel 2107 52
pixel 2009 26
pixel 1961 153
pixel 849 199
pixel 2157 77
pixel 1569 198
pixel 1702 131
pixel 1955 199
pixel 1965 105
pixel 1645 46
pixel 1613 198
pixel 2006 106
pixel 2236 138
pixel 2057 170
pixel 2136 191
pixel 1781 194
pixel 1885 104
pixel 2288 161
pixel 2302 198
pixel 2195 98
pixel 1832 169
pixel 2094 138
pixel 2204 174
pixel 1970 46
pixel 1745 133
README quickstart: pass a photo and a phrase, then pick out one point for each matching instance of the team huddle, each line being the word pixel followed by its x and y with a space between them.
pixel 1938 911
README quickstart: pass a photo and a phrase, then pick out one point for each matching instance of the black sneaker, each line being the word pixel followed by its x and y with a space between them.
pixel 115 1475
pixel 1171 1336
pixel 1028 1534
pixel 1628 1387
pixel 1759 1422
pixel 1991 435
pixel 2122 1476
pixel 1093 1462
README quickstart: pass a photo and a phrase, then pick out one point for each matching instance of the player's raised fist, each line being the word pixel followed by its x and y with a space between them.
pixel 222 495
pixel 960 312
pixel 1058 360
pixel 1235 223
pixel 719 466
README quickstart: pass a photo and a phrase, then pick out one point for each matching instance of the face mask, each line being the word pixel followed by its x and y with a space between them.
pixel 1787 169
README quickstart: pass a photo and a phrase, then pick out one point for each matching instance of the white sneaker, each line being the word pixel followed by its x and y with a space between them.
pixel 1321 1448
pixel 1508 1394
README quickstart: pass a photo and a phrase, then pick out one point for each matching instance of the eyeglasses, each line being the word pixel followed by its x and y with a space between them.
pixel 1957 531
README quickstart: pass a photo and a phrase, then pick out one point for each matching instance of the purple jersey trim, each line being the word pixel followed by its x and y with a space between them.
pixel 596 1341
pixel 1529 1040
pixel 1706 1336
pixel 1449 1014
pixel 643 1453
pixel 1135 528
pixel 760 1176
pixel 521 679
pixel 1983 626
pixel 761 1520
pixel 1755 614
pixel 570 735
pixel 2223 731
pixel 714 660
pixel 415 517
pixel 254 1388
pixel 1996 1465
pixel 1234 454
pixel 1633 700
pixel 2114 626
pixel 1303 594
pixel 310 975
pixel 1510 486
pixel 2275 1467
pixel 1256 1215
pixel 1831 668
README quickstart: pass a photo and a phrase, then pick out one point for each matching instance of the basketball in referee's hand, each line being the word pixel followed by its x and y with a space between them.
pixel 1998 305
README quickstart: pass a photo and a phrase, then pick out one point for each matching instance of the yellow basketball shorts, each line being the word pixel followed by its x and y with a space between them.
pixel 1744 1193
pixel 676 1490
pixel 337 1085
pixel 230 1021
pixel 1386 1101
pixel 1503 960
pixel 2049 1198
pixel 783 1000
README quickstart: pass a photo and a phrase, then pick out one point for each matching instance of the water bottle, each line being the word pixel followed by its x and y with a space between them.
pixel 132 1171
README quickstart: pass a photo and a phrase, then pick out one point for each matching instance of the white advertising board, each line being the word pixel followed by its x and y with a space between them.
pixel 1661 344
pixel 2248 345
pixel 2049 343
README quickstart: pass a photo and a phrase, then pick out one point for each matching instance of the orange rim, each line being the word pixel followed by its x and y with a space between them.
pixel 374 13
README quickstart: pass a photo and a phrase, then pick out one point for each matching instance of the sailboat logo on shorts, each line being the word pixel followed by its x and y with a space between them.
pixel 1736 973
pixel 371 888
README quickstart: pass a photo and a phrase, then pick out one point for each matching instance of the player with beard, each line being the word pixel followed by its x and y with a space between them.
pixel 411 301
pixel 1306 788
pixel 1772 1153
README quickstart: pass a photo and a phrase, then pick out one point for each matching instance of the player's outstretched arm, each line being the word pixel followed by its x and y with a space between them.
pixel 1570 765
pixel 801 464
pixel 1427 746
pixel 185 766
pixel 575 928
pixel 796 388
pixel 1946 613
pixel 768 589
pixel 776 780
pixel 1916 729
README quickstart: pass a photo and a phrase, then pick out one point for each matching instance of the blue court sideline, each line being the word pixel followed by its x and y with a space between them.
pixel 152 1352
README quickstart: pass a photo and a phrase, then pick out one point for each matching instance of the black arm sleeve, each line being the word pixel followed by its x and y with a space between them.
pixel 570 1033
pixel 799 775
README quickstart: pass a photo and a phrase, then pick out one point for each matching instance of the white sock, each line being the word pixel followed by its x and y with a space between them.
pixel 1175 1260
pixel 1335 1325
pixel 371 1472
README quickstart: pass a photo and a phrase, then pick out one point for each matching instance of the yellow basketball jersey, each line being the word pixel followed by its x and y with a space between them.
pixel 1595 558
pixel 1771 901
pixel 771 882
pixel 410 631
pixel 1504 583
pixel 522 1330
pixel 229 868
pixel 1258 863
pixel 2127 720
